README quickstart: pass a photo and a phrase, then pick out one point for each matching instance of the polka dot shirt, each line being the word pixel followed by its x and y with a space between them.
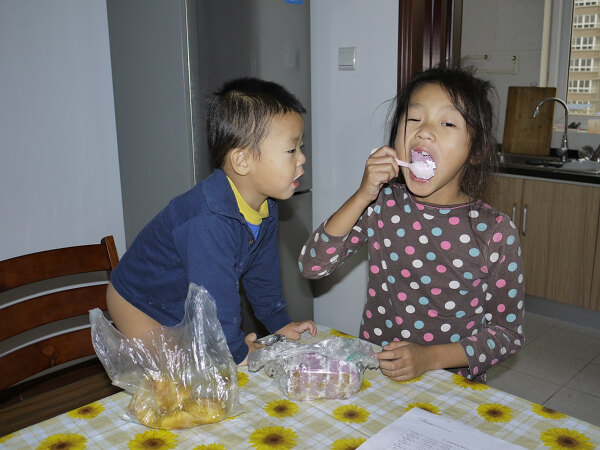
pixel 437 275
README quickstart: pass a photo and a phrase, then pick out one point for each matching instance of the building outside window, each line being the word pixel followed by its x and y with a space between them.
pixel 583 97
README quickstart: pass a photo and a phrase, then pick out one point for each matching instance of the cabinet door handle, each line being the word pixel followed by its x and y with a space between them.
pixel 524 225
pixel 514 212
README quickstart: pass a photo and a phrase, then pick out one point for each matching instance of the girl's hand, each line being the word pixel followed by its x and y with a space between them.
pixel 381 167
pixel 294 330
pixel 403 361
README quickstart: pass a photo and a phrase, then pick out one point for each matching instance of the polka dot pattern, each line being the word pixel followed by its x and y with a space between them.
pixel 436 276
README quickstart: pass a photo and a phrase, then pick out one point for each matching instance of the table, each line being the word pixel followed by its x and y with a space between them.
pixel 274 422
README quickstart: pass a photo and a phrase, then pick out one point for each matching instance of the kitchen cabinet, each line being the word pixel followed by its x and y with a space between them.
pixel 559 229
pixel 595 296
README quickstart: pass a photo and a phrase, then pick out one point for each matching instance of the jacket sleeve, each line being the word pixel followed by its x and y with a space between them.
pixel 208 248
pixel 262 282
pixel 502 331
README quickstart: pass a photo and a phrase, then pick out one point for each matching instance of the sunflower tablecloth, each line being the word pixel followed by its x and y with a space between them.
pixel 272 421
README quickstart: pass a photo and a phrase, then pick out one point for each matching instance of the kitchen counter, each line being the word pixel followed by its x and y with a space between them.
pixel 548 167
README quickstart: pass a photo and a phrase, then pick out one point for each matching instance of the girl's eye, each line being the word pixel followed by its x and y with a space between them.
pixel 412 119
pixel 448 124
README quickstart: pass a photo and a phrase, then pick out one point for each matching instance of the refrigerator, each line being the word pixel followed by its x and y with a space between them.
pixel 167 56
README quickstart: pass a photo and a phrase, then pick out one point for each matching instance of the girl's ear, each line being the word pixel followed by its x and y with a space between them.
pixel 239 160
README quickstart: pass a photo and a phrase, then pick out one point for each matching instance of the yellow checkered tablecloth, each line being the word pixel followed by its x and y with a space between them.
pixel 272 421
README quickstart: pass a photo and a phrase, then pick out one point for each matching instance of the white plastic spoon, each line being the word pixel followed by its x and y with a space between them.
pixel 421 169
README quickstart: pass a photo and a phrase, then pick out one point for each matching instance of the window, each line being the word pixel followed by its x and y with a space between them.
pixel 584 43
pixel 585 21
pixel 578 108
pixel 582 65
pixel 574 66
pixel 580 86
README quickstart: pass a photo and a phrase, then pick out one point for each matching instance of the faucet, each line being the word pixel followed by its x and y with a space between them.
pixel 564 145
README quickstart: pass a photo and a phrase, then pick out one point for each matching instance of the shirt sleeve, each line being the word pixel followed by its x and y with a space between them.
pixel 322 252
pixel 502 331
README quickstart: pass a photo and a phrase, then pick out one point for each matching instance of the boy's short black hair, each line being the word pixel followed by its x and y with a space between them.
pixel 240 112
pixel 472 96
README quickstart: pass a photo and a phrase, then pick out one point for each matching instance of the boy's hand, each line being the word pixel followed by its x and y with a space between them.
pixel 381 167
pixel 294 330
pixel 250 341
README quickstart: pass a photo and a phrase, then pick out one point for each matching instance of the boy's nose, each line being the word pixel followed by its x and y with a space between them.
pixel 301 158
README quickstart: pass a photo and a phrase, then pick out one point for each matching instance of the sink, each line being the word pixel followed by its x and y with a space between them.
pixel 582 166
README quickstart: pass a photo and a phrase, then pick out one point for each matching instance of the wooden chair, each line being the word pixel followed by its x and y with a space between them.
pixel 47 360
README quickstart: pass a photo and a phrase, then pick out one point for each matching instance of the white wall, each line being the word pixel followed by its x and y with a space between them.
pixel 59 173
pixel 348 116
pixel 501 29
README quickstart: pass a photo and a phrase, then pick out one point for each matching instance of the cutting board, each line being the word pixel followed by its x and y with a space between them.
pixel 522 132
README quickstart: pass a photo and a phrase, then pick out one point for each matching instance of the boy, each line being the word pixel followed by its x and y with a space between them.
pixel 224 229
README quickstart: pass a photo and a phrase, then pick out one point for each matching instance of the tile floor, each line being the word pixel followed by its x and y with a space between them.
pixel 559 366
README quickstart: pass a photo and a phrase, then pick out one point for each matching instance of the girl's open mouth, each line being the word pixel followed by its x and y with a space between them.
pixel 425 165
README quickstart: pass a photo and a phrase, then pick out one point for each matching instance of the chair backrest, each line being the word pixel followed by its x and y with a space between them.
pixel 40 330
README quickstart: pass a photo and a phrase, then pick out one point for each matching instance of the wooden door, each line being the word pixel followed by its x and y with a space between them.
pixel 558 238
pixel 505 196
pixel 429 33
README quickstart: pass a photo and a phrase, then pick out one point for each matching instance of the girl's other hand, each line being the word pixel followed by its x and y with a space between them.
pixel 294 330
pixel 403 361
pixel 381 167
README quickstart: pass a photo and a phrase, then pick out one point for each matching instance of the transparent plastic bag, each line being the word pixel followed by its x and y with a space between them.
pixel 329 369
pixel 179 376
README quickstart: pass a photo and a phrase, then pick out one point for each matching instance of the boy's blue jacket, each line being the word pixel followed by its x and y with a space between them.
pixel 202 237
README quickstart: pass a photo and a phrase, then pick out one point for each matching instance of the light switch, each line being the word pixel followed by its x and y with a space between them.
pixel 347 58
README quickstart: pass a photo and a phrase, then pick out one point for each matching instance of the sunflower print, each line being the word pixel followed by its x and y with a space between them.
pixel 414 380
pixel 281 408
pixel 466 383
pixel 351 413
pixel 154 439
pixel 6 437
pixel 347 444
pixel 69 441
pixel 546 412
pixel 494 412
pixel 425 407
pixel 563 438
pixel 87 412
pixel 210 447
pixel 366 384
pixel 273 438
pixel 340 334
pixel 243 378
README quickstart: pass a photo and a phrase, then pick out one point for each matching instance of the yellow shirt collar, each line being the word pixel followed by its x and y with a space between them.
pixel 251 215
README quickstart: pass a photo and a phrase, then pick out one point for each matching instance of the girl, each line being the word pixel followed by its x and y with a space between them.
pixel 445 285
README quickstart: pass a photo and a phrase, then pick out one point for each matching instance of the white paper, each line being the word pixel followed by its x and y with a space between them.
pixel 419 429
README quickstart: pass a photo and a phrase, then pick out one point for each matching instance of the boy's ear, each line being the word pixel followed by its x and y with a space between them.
pixel 239 160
